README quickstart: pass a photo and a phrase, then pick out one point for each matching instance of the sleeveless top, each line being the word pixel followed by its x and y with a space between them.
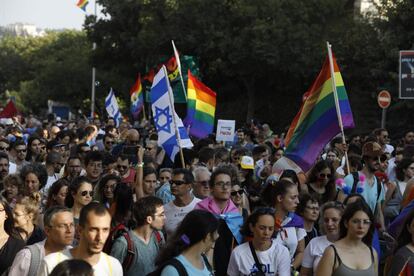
pixel 343 270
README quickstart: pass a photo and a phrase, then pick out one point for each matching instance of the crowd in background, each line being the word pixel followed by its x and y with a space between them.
pixel 88 197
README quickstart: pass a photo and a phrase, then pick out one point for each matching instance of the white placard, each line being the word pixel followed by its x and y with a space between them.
pixel 225 130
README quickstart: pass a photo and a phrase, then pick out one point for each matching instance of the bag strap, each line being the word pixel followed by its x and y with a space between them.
pixel 355 175
pixel 207 263
pixel 126 264
pixel 256 260
pixel 34 260
pixel 178 266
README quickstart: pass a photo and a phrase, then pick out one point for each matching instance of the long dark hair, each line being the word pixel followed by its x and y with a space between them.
pixel 254 218
pixel 30 153
pixel 349 212
pixel 72 268
pixel 9 222
pixel 54 190
pixel 401 167
pixel 330 188
pixel 195 227
pixel 73 189
pixel 405 237
pixel 101 195
pixel 124 201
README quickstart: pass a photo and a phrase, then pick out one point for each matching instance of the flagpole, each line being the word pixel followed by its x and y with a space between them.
pixel 177 133
pixel 93 76
pixel 338 108
pixel 177 58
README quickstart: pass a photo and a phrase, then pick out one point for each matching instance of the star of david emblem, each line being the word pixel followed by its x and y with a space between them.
pixel 163 119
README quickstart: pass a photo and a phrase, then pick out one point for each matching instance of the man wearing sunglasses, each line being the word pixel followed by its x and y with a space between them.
pixel 125 171
pixel 373 190
pixel 20 150
pixel 184 202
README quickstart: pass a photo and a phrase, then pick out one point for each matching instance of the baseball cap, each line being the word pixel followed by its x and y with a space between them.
pixel 53 143
pixel 247 163
pixel 372 149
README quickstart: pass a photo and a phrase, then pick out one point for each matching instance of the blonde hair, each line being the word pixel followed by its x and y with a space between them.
pixel 31 204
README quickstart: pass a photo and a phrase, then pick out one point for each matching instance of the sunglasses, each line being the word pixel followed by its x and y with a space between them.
pixel 85 193
pixel 109 142
pixel 322 175
pixel 240 192
pixel 122 167
pixel 148 148
pixel 21 150
pixel 177 182
pixel 1 148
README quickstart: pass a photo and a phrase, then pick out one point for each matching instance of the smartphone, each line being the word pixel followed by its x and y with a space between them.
pixel 130 150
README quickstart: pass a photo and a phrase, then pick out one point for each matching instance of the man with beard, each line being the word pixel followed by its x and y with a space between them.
pixel 53 167
pixel 373 190
pixel 4 167
pixel 59 230
pixel 73 168
pixel 94 227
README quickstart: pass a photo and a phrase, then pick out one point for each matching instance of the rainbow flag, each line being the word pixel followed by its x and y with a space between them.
pixel 82 4
pixel 137 98
pixel 201 108
pixel 317 122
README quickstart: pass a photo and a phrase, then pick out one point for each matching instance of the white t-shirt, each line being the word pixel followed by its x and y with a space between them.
pixel 314 251
pixel 106 266
pixel 290 236
pixel 174 215
pixel 274 261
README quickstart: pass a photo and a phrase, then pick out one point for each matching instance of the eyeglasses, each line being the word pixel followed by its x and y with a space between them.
pixel 223 185
pixel 365 222
pixel 65 227
pixel 204 183
pixel 109 142
pixel 122 167
pixel 234 193
pixel 322 175
pixel 85 193
pixel 149 148
pixel 21 150
pixel 313 208
pixel 177 182
pixel 3 149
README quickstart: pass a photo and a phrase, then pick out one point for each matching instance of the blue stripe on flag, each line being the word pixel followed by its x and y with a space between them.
pixel 159 90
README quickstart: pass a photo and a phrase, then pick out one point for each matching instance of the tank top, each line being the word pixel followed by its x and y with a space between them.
pixel 343 270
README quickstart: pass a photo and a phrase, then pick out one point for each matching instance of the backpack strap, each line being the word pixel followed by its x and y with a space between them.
pixel 126 264
pixel 34 260
pixel 207 263
pixel 178 266
pixel 355 175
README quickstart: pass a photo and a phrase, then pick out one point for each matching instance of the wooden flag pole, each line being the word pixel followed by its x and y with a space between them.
pixel 177 58
pixel 177 133
pixel 338 108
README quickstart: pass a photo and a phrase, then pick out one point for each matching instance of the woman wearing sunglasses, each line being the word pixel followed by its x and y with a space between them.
pixel 80 194
pixel 262 255
pixel 236 195
pixel 321 183
pixel 352 254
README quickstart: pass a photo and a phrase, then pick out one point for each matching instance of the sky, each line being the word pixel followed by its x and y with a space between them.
pixel 46 14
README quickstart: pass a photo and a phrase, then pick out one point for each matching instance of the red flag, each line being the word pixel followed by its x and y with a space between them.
pixel 406 270
pixel 9 110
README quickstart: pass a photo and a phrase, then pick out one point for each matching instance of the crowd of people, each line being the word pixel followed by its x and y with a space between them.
pixel 88 197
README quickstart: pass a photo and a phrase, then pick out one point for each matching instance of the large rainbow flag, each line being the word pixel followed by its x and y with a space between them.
pixel 317 122
pixel 137 98
pixel 201 108
pixel 82 4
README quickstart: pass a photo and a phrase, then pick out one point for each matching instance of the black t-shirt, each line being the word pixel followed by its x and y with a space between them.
pixel 9 251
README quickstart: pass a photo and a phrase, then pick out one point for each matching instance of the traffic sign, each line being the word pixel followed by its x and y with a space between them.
pixel 384 99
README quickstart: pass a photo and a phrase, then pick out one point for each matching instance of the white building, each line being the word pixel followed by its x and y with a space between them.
pixel 21 29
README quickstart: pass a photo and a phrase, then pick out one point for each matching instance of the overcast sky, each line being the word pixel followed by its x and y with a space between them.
pixel 50 14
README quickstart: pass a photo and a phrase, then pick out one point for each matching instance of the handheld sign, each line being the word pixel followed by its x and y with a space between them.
pixel 225 130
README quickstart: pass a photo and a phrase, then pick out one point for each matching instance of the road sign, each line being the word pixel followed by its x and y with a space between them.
pixel 406 75
pixel 384 99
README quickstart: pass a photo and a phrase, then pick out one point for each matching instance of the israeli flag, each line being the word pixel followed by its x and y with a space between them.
pixel 163 111
pixel 112 108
